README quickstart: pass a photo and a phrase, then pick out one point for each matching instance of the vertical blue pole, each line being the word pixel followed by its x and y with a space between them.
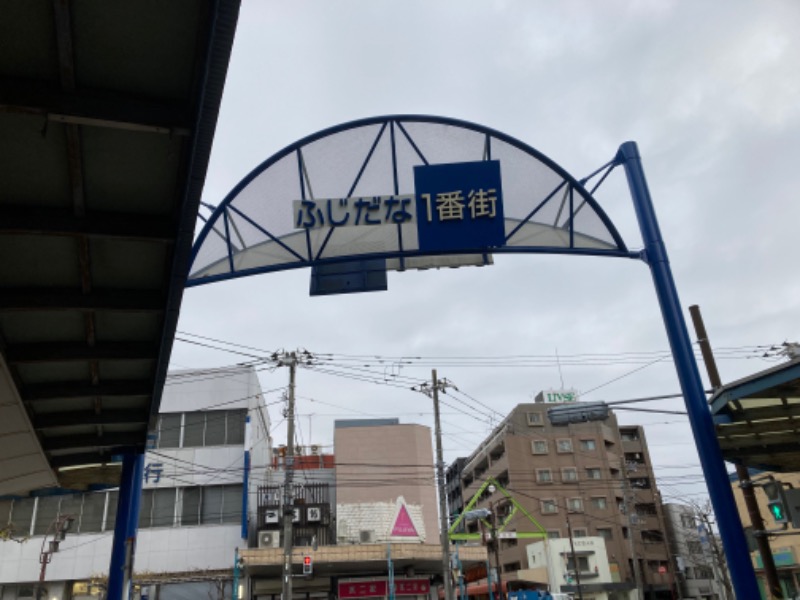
pixel 123 547
pixel 235 591
pixel 705 435
pixel 390 567
pixel 246 478
pixel 489 579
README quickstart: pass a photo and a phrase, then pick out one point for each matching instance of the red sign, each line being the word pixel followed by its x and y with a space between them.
pixel 403 525
pixel 378 587
pixel 662 569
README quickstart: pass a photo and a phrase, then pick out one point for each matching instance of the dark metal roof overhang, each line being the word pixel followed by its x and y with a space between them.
pixel 758 419
pixel 107 115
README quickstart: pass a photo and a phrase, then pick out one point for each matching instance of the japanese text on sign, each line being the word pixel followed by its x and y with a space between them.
pixel 346 212
pixel 459 206
pixel 450 205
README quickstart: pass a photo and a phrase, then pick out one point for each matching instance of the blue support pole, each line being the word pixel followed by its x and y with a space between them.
pixel 246 477
pixel 705 435
pixel 123 548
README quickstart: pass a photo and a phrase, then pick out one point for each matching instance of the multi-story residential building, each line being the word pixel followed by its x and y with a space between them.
pixel 785 548
pixel 698 574
pixel 194 507
pixel 596 474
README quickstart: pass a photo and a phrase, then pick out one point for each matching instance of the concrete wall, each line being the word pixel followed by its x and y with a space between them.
pixel 379 464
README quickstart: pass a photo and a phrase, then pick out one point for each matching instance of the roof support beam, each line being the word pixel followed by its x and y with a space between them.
pixel 79 389
pixel 75 442
pixel 22 220
pixel 91 108
pixel 89 458
pixel 70 351
pixel 107 417
pixel 30 299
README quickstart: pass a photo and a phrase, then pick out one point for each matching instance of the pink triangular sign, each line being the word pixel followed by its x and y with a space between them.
pixel 403 525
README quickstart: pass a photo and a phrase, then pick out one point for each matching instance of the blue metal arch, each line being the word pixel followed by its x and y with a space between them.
pixel 396 122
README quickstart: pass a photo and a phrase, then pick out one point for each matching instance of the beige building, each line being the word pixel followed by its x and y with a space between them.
pixel 785 548
pixel 381 466
pixel 596 474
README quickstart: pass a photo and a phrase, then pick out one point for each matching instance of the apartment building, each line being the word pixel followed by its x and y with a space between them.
pixel 195 509
pixel 596 475
pixel 699 574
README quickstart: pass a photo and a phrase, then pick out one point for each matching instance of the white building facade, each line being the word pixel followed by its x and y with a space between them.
pixel 212 434
pixel 552 561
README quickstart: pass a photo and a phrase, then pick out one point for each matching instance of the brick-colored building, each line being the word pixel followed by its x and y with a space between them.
pixel 595 473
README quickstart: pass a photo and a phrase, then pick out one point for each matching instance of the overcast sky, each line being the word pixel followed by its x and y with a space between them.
pixel 709 91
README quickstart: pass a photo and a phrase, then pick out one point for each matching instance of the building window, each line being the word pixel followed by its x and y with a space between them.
pixel 583 564
pixel 549 506
pixel 588 445
pixel 564 445
pixel 687 521
pixel 206 428
pixel 569 474
pixel 535 419
pixel 629 435
pixel 169 430
pixel 574 505
pixel 605 532
pixel 580 532
pixel 593 473
pixel 599 502
pixel 553 534
pixel 539 446
pixel 544 476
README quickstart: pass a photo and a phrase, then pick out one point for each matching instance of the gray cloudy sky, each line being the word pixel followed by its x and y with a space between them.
pixel 709 91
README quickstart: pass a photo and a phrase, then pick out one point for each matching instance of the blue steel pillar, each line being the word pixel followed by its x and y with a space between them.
pixel 122 552
pixel 705 435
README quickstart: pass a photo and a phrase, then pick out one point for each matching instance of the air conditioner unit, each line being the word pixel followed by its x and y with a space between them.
pixel 269 539
pixel 366 536
pixel 315 449
pixel 314 514
pixel 298 451
pixel 272 517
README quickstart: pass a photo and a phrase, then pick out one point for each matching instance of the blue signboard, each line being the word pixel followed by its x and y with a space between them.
pixel 459 206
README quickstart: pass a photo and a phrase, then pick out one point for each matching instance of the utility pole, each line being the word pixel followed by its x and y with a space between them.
pixel 748 493
pixel 574 559
pixel 496 543
pixel 637 572
pixel 433 392
pixel 288 360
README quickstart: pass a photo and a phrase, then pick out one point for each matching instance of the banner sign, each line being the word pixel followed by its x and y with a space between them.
pixel 456 206
pixel 376 588
pixel 459 206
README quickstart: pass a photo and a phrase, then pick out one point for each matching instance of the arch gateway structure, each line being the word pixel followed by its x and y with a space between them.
pixel 400 192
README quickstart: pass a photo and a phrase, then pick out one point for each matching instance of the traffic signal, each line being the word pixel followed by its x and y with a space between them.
pixel 308 565
pixel 776 501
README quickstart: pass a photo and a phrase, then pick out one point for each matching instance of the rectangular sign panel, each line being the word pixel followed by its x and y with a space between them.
pixel 379 587
pixel 459 206
pixel 352 212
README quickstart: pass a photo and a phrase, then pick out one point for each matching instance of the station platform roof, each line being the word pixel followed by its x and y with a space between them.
pixel 107 116
pixel 758 419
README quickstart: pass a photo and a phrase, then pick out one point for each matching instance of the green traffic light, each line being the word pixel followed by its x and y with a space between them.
pixel 777 512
